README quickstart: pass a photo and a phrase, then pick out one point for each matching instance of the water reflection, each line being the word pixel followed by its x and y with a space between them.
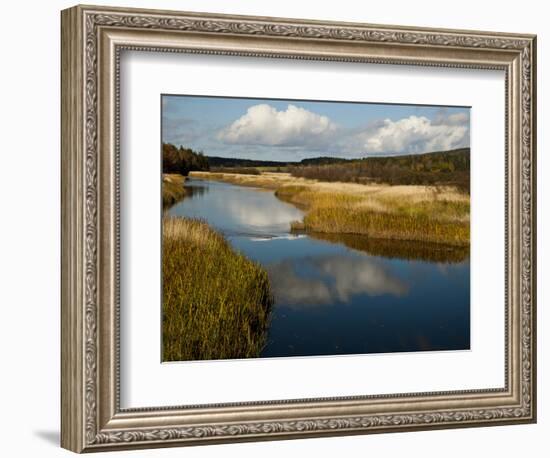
pixel 234 209
pixel 399 249
pixel 332 280
pixel 195 190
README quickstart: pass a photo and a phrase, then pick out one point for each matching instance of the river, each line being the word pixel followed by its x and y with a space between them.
pixel 334 297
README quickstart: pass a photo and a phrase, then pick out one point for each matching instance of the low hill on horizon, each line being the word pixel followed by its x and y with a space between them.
pixel 440 168
pixel 219 161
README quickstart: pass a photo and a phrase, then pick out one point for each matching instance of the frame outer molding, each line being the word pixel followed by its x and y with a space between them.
pixel 72 243
pixel 91 39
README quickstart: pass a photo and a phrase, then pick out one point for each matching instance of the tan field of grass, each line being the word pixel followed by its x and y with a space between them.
pixel 400 212
pixel 216 302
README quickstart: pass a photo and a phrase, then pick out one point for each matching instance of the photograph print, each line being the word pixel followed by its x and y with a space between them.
pixel 300 228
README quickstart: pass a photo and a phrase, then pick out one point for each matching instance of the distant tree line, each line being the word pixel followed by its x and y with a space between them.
pixel 182 160
pixel 323 160
pixel 445 168
pixel 241 170
pixel 216 161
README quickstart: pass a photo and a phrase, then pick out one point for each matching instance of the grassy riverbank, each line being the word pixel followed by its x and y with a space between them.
pixel 216 302
pixel 173 189
pixel 401 212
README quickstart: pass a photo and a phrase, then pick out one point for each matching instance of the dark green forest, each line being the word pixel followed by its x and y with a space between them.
pixel 323 160
pixel 182 160
pixel 216 161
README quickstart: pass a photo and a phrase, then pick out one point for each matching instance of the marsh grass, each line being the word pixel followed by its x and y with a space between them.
pixel 173 189
pixel 216 302
pixel 435 214
pixel 386 225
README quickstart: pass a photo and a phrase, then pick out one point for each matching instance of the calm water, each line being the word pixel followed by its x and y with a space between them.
pixel 333 299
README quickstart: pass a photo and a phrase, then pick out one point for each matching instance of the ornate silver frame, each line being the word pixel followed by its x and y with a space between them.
pixel 92 39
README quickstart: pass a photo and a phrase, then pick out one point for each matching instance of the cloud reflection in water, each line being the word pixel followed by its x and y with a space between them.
pixel 328 280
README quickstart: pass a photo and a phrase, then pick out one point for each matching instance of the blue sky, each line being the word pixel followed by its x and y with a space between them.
pixel 291 130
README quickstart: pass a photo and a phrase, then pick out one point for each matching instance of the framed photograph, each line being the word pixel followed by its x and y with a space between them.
pixel 277 228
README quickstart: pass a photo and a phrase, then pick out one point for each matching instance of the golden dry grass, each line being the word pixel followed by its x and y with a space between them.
pixel 402 212
pixel 216 302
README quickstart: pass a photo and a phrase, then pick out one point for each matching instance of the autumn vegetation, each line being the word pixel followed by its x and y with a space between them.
pixel 173 189
pixel 216 302
pixel 446 168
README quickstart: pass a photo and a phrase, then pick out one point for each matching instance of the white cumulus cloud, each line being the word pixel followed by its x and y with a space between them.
pixel 455 119
pixel 415 134
pixel 264 125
